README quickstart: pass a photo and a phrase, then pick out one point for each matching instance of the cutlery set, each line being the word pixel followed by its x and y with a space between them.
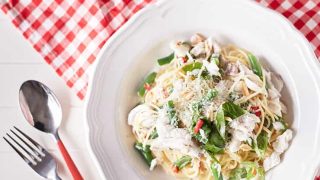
pixel 43 111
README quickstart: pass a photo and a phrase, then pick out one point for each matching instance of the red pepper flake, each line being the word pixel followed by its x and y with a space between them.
pixel 147 86
pixel 256 110
pixel 258 113
pixel 184 59
pixel 198 126
pixel 175 169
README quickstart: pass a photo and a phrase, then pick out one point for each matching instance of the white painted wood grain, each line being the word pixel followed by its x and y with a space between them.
pixel 14 48
pixel 13 167
pixel 71 131
pixel 13 75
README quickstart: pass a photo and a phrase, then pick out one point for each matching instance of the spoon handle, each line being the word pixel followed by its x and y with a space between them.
pixel 72 167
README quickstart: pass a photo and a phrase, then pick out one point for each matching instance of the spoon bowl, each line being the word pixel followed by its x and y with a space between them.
pixel 42 110
pixel 40 106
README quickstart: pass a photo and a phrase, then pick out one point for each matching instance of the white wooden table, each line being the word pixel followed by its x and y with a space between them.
pixel 20 62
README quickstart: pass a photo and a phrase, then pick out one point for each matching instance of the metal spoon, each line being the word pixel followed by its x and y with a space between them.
pixel 42 110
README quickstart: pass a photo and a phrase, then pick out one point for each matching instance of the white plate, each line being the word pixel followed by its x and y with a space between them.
pixel 132 52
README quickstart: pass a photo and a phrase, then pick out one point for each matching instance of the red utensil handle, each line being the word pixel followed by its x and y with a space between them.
pixel 72 167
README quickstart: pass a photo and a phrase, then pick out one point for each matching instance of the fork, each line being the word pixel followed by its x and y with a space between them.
pixel 41 161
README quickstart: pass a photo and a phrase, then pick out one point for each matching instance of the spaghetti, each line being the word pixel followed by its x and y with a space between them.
pixel 210 112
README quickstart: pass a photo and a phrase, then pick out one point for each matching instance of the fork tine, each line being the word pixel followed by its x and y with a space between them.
pixel 31 155
pixel 31 140
pixel 30 147
pixel 17 151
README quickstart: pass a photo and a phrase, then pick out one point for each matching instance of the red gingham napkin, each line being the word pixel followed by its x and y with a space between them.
pixel 305 16
pixel 70 33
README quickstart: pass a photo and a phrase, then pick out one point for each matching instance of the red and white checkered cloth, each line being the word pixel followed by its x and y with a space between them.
pixel 305 16
pixel 70 33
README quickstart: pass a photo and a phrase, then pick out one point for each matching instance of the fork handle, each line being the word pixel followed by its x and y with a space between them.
pixel 72 167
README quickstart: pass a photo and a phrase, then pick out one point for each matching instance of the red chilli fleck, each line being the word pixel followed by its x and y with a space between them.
pixel 184 59
pixel 147 86
pixel 175 169
pixel 198 126
pixel 256 110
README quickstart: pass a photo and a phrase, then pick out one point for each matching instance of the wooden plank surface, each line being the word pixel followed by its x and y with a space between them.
pixel 20 62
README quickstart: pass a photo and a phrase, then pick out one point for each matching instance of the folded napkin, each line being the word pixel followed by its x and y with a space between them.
pixel 70 33
pixel 303 14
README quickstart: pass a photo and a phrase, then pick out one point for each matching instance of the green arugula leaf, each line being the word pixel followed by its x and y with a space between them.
pixel 141 91
pixel 216 139
pixel 215 142
pixel 154 134
pixel 212 141
pixel 220 122
pixel 253 169
pixel 262 142
pixel 247 170
pixel 206 75
pixel 170 104
pixel 172 114
pixel 166 60
pixel 212 148
pixel 148 80
pixel 216 171
pixel 255 65
pixel 182 162
pixel 232 110
pixel 145 152
pixel 197 106
pixel 191 67
pixel 215 58
pixel 238 173
pixel 212 93
pixel 206 127
pixel 285 125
